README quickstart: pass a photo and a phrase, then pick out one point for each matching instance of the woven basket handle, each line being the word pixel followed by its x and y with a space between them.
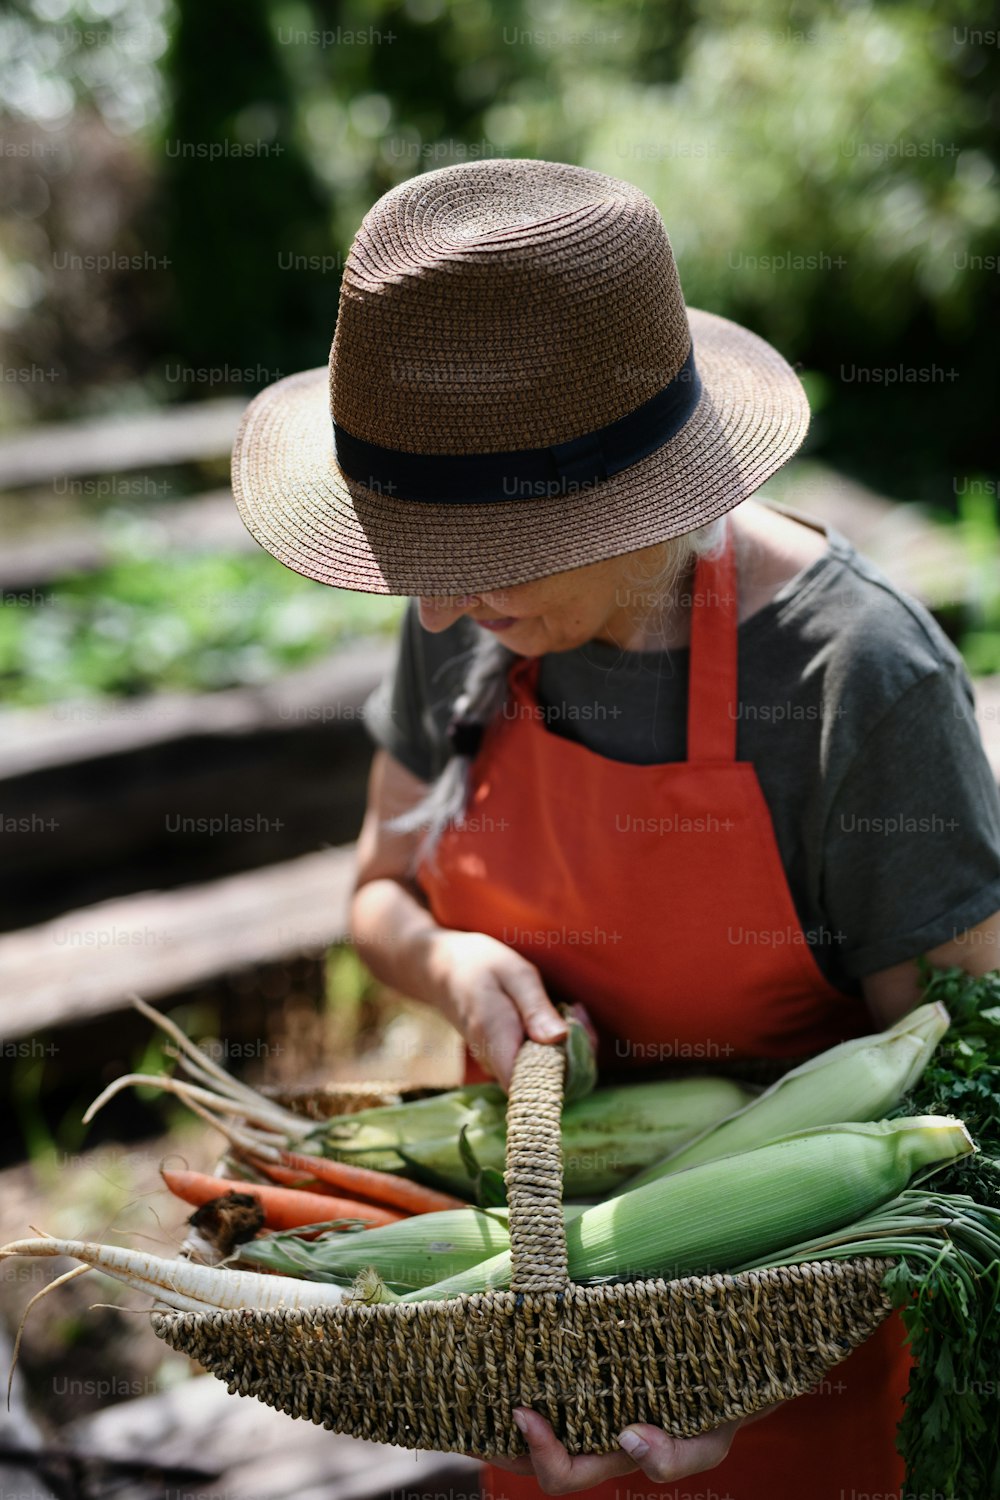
pixel 535 1168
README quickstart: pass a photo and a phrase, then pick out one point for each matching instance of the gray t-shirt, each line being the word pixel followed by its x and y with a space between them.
pixel 857 714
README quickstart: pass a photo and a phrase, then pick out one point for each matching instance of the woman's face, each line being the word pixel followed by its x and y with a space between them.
pixel 597 602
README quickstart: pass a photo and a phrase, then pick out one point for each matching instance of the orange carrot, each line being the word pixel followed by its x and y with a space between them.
pixel 381 1187
pixel 287 1177
pixel 284 1208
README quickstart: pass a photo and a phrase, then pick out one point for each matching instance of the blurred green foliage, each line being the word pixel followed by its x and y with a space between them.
pixel 180 623
pixel 979 531
pixel 62 56
pixel 355 1000
pixel 230 218
pixel 827 171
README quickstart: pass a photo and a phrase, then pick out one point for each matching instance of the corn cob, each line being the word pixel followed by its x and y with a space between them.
pixel 414 1253
pixel 857 1080
pixel 733 1210
pixel 606 1136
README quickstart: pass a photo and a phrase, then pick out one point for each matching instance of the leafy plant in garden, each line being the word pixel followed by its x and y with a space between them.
pixel 828 174
pixel 979 530
pixel 177 623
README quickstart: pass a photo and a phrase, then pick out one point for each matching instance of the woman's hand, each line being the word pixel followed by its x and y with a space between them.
pixel 663 1459
pixel 494 997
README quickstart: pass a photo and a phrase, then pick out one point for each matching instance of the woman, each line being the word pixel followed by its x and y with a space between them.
pixel 650 746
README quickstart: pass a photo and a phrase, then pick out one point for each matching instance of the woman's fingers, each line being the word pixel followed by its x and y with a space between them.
pixel 542 1021
pixel 656 1454
pixel 495 997
pixel 665 1458
pixel 511 1465
pixel 496 1040
pixel 556 1472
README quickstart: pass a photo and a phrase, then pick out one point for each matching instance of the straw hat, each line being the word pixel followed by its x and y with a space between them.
pixel 515 388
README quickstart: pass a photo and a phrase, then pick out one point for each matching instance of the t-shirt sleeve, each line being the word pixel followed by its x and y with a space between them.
pixel 406 713
pixel 912 846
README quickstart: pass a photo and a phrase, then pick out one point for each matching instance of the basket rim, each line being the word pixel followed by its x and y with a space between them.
pixel 602 1293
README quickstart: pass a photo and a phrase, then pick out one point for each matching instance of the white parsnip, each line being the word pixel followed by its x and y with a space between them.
pixel 183 1284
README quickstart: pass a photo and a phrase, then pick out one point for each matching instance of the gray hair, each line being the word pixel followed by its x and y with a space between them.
pixel 484 688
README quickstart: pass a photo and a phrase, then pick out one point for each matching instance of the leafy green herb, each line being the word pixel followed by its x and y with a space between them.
pixel 950 1305
pixel 963 1077
pixel 951 1419
pixel 946 1284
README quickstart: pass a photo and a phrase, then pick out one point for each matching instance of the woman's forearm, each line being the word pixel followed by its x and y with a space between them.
pixel 489 992
pixel 392 932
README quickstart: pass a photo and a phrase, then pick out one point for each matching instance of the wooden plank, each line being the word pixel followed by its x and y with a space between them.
pixel 101 799
pixel 172 435
pixel 86 963
pixel 207 523
pixel 329 690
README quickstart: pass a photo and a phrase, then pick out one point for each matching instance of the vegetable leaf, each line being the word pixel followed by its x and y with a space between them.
pixel 951 1417
pixel 488 1184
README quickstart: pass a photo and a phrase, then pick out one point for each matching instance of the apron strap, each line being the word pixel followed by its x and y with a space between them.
pixel 712 681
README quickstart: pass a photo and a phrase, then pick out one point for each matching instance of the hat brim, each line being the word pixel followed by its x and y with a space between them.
pixel 300 506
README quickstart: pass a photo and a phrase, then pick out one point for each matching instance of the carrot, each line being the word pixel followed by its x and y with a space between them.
pixel 381 1187
pixel 287 1177
pixel 284 1208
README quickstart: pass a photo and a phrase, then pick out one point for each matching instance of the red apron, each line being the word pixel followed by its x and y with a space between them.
pixel 656 895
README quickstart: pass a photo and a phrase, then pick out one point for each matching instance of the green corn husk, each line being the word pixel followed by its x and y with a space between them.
pixel 728 1212
pixel 607 1136
pixel 414 1253
pixel 858 1080
pixel 581 1062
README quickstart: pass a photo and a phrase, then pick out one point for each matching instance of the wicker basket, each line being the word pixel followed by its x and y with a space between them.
pixel 685 1355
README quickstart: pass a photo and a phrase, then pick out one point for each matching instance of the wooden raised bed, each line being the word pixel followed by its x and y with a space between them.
pixel 111 797
pixel 173 435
